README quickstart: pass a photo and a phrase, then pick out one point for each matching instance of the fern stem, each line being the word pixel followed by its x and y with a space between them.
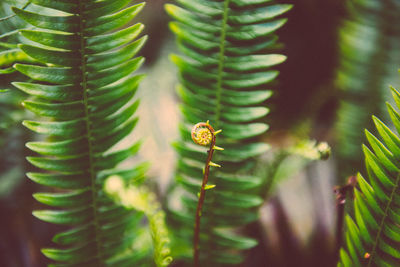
pixel 201 202
pixel 89 136
pixel 221 62
pixel 381 225
pixel 341 196
pixel 340 205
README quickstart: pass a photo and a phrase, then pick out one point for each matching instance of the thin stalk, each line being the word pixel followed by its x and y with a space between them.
pixel 201 202
pixel 202 138
pixel 94 190
pixel 340 205
pixel 221 63
pixel 341 195
pixel 272 171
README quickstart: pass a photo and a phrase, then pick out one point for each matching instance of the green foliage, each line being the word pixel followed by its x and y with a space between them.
pixel 141 199
pixel 79 59
pixel 84 88
pixel 12 135
pixel 9 51
pixel 373 236
pixel 225 72
pixel 369 45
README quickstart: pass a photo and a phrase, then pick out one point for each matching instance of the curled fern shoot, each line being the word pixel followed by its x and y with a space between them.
pixel 141 199
pixel 83 93
pixel 203 134
pixel 373 236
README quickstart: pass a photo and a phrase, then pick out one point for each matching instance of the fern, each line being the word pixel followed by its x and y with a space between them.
pixel 12 135
pixel 141 199
pixel 84 88
pixel 368 40
pixel 225 75
pixel 9 51
pixel 373 238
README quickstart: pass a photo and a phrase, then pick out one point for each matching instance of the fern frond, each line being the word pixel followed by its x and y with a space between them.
pixel 225 71
pixel 373 235
pixel 368 39
pixel 84 89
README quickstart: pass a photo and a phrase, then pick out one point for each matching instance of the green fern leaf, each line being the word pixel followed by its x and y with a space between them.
pixel 141 199
pixel 365 66
pixel 373 236
pixel 85 89
pixel 225 70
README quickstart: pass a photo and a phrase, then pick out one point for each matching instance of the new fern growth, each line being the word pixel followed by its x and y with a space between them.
pixel 225 73
pixel 373 235
pixel 141 199
pixel 203 134
pixel 85 89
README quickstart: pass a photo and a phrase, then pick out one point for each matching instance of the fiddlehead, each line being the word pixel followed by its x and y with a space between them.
pixel 203 134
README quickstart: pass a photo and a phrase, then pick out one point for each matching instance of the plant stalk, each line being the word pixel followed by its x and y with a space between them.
pixel 341 195
pixel 271 174
pixel 202 195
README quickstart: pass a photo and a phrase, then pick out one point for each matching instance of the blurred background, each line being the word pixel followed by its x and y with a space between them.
pixel 342 56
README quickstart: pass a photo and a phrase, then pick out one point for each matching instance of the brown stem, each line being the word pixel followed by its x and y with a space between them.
pixel 201 202
pixel 341 195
